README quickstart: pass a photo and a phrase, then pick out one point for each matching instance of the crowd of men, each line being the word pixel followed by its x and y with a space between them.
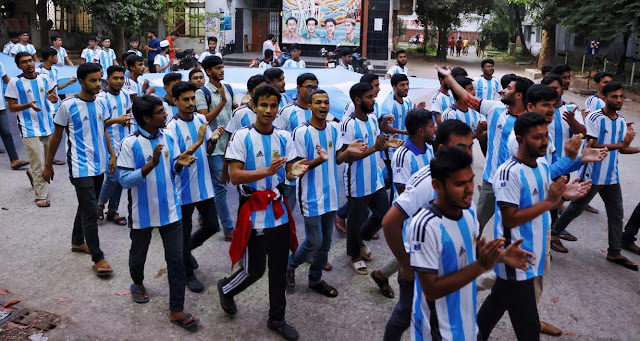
pixel 407 171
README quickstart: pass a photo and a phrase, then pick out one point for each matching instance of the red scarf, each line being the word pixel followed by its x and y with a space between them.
pixel 259 201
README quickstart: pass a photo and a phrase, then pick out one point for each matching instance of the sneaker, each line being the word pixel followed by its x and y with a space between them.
pixel 194 262
pixel 194 284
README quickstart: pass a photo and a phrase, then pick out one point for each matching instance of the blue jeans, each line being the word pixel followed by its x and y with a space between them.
pixel 290 195
pixel 7 139
pixel 111 190
pixel 400 319
pixel 317 243
pixel 220 190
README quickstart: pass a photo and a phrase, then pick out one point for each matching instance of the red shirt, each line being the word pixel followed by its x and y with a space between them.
pixel 172 53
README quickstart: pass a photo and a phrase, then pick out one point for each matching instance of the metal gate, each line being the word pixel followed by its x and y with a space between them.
pixel 266 20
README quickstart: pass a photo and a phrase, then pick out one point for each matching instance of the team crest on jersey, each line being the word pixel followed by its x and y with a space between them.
pixel 42 90
pixel 166 154
pixel 99 117
pixel 276 153
pixel 330 144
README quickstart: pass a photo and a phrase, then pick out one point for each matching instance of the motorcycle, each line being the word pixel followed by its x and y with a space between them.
pixel 187 59
pixel 330 57
pixel 361 64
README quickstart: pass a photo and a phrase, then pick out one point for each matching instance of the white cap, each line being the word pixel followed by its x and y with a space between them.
pixel 164 43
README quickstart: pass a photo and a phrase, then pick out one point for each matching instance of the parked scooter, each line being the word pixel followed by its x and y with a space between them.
pixel 187 59
pixel 330 58
pixel 361 64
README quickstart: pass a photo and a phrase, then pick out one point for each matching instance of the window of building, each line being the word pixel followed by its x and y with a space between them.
pixel 64 20
pixel 188 20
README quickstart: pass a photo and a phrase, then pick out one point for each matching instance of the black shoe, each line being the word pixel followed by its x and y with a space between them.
pixel 227 303
pixel 194 263
pixel 287 331
pixel 194 284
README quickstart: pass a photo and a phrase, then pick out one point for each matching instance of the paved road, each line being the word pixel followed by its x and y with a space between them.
pixel 584 295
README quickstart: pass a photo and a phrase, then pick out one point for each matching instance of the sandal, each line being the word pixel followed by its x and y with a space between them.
pixel 556 245
pixel 384 286
pixel 341 225
pixel 360 267
pixel 191 326
pixel 591 209
pixel 549 329
pixel 567 236
pixel 366 253
pixel 291 278
pixel 116 218
pixel 42 203
pixel 138 291
pixel 375 236
pixel 624 262
pixel 102 269
pixel 58 162
pixel 100 211
pixel 327 267
pixel 323 288
pixel 228 304
pixel 19 165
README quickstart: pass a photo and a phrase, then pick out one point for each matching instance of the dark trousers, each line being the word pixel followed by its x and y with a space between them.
pixel 274 244
pixel 85 225
pixel 519 299
pixel 388 180
pixel 7 139
pixel 483 146
pixel 359 227
pixel 400 319
pixel 172 241
pixel 632 227
pixel 207 209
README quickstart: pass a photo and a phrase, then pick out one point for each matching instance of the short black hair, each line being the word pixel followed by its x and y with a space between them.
pixel 311 19
pixel 540 92
pixel 273 73
pixel 611 87
pixel 316 92
pixel 144 106
pixel 132 60
pixel 463 81
pixel 397 78
pixel 52 38
pixel 24 32
pixel 506 79
pixel 265 91
pixel 546 69
pixel 369 77
pixel 254 81
pixel 13 34
pixel 440 76
pixel 449 160
pixel 211 61
pixel 270 36
pixel 522 86
pixel 358 90
pixel 175 34
pixel 106 38
pixel 268 53
pixel 48 52
pixel 182 87
pixel 416 119
pixel 487 61
pixel 600 75
pixel 307 76
pixel 345 51
pixel 448 128
pixel 560 69
pixel 400 51
pixel 20 55
pixel 291 18
pixel 212 39
pixel 194 71
pixel 330 20
pixel 459 71
pixel 550 78
pixel 85 69
pixel 527 121
pixel 126 55
pixel 294 46
pixel 152 32
pixel 171 77
pixel 113 69
pixel 134 38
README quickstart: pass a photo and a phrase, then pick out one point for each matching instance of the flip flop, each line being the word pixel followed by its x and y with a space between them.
pixel 121 221
pixel 138 291
pixel 565 235
pixel 327 267
pixel 191 326
pixel 591 209
pixel 59 162
pixel 323 288
pixel 360 267
pixel 366 253
pixel 384 286
pixel 556 245
pixel 624 262
pixel 19 165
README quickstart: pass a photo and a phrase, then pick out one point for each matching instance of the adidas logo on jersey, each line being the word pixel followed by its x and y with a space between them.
pixel 149 158
pixel 188 138
pixel 29 91
pixel 260 154
pixel 461 252
pixel 86 118
pixel 606 131
pixel 535 191
pixel 499 126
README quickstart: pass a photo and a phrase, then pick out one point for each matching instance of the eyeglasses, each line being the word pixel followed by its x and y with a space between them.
pixel 311 88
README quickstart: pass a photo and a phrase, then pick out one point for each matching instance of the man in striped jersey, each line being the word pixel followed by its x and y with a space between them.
pixel 49 67
pixel 118 126
pixel 564 71
pixel 443 240
pixel 195 183
pixel 108 56
pixel 260 157
pixel 275 76
pixel 363 179
pixel 63 57
pixel 168 101
pixel 401 65
pixel 14 38
pixel 149 160
pixel 524 195
pixel 135 66
pixel 162 62
pixel 461 111
pixel 295 62
pixel 418 193
pixel 441 99
pixel 134 42
pixel 30 96
pixel 609 130
pixel 501 115
pixel 91 54
pixel 318 141
pixel 89 155
pixel 595 102
pixel 24 46
pixel 487 86
pixel 245 115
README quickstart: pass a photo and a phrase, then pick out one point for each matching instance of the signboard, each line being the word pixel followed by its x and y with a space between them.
pixel 593 47
pixel 321 22
pixel 211 25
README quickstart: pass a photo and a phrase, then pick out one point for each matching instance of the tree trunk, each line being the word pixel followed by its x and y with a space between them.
pixel 548 45
pixel 41 11
pixel 525 51
pixel 623 55
pixel 442 43
pixel 513 30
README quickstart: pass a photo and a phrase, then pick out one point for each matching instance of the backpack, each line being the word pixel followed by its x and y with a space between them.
pixel 207 93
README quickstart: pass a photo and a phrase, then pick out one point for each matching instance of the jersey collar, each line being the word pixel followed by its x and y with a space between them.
pixel 414 149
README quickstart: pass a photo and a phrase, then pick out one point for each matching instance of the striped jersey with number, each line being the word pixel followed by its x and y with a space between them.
pixel 33 123
pixel 117 105
pixel 605 131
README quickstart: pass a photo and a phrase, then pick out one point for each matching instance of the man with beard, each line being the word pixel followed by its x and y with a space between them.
pixel 401 65
pixel 441 100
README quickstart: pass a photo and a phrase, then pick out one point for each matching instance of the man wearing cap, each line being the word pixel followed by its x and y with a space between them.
pixel 162 61
pixel 92 53
pixel 349 28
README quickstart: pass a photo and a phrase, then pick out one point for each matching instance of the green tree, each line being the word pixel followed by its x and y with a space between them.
pixel 545 15
pixel 445 14
pixel 505 25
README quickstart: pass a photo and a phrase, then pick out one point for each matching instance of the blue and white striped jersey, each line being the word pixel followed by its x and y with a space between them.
pixel 442 246
pixel 470 117
pixel 62 54
pixel 91 55
pixel 106 58
pixel 132 87
pixel 7 48
pixel 350 108
pixel 206 54
pixel 256 150
pixel 418 192
pixel 559 130
pixel 551 148
pixel 86 144
pixel 292 64
pixel 162 61
pixel 284 100
pixel 242 117
pixel 33 123
pixel 291 116
pixel 487 89
pixel 499 126
pixel 3 72
pixel 170 109
pixel 117 105
pixel 362 177
pixel 399 111
pixel 594 103
pixel 17 48
pixel 265 65
pixel 605 131
pixel 408 159
pixel 396 69
pixel 53 74
pixel 155 202
pixel 440 102
pixel 138 53
pixel 193 182
pixel 318 188
pixel 518 185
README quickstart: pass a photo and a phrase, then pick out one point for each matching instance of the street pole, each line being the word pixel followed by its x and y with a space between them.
pixel 590 69
pixel 584 56
pixel 633 71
